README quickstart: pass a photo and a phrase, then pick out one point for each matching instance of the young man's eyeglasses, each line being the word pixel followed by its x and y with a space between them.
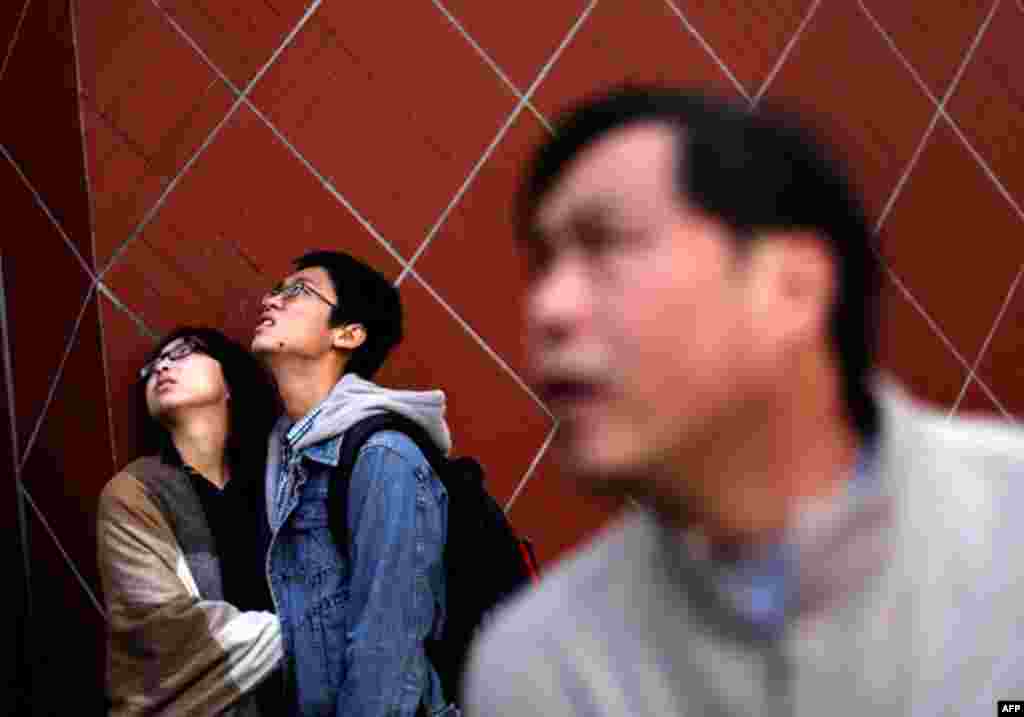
pixel 186 347
pixel 287 292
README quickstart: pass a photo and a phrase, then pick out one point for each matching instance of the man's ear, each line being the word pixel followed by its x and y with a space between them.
pixel 798 280
pixel 349 337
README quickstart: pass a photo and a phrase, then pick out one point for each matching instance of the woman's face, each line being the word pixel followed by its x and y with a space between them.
pixel 181 377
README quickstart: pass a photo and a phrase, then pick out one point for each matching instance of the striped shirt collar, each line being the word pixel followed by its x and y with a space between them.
pixel 327 452
pixel 301 427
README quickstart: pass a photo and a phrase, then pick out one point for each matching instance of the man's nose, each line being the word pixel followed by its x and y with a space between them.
pixel 270 301
pixel 558 302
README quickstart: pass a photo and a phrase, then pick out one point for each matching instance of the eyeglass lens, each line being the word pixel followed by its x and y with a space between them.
pixel 183 349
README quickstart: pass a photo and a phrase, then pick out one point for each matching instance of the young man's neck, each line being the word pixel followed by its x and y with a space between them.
pixel 750 485
pixel 305 384
pixel 201 439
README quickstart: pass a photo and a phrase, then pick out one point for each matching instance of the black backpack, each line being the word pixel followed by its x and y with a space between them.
pixel 485 561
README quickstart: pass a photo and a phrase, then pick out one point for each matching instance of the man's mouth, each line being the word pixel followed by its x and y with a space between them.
pixel 566 393
pixel 265 322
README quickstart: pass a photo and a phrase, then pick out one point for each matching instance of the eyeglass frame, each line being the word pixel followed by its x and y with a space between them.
pixel 287 292
pixel 188 346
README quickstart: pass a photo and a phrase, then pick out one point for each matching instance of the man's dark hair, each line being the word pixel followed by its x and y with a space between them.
pixel 364 297
pixel 252 410
pixel 755 172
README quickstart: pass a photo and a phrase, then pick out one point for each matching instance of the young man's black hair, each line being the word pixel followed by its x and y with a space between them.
pixel 364 297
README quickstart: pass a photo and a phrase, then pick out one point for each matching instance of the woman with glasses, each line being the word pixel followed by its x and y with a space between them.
pixel 182 538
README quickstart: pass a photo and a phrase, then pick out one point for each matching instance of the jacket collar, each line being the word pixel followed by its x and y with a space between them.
pixel 327 452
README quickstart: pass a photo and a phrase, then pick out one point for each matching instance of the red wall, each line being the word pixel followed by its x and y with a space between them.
pixel 223 138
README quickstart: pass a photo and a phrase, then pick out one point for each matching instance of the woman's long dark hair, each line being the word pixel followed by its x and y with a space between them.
pixel 252 409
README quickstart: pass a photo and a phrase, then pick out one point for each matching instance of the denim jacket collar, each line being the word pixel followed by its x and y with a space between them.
pixel 327 452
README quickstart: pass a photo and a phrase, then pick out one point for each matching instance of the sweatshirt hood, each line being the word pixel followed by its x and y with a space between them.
pixel 353 398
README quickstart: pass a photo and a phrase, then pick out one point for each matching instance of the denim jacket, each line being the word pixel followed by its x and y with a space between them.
pixel 354 621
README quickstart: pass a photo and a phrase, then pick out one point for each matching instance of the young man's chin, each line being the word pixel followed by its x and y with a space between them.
pixel 261 343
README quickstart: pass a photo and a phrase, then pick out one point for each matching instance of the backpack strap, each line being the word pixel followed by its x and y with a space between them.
pixel 353 440
pixel 529 559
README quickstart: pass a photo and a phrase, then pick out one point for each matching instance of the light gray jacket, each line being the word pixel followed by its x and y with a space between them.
pixel 920 612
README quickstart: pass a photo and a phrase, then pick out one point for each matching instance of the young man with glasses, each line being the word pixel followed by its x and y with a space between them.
pixel 354 617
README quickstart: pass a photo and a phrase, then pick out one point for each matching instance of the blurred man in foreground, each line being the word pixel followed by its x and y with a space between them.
pixel 701 317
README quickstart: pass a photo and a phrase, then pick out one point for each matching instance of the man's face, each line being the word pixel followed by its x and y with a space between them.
pixel 640 314
pixel 297 325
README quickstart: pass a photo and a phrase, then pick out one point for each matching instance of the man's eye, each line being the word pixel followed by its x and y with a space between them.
pixel 537 259
pixel 599 242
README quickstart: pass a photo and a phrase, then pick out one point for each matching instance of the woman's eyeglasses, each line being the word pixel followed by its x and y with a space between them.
pixel 186 347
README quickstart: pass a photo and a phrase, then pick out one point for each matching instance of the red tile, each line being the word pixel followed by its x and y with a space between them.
pixel 184 139
pixel 127 345
pixel 8 513
pixel 141 133
pixel 556 515
pixel 64 473
pixel 67 635
pixel 45 138
pixel 122 189
pixel 224 236
pixel 151 80
pixel 372 110
pixel 157 289
pixel 220 270
pixel 10 17
pixel 853 88
pixel 287 6
pixel 70 462
pixel 91 152
pixel 520 38
pixel 294 82
pixel 101 35
pixel 1001 368
pixel 748 37
pixel 657 49
pixel 934 37
pixel 239 37
pixel 86 37
pixel 912 352
pixel 272 215
pixel 14 700
pixel 40 271
pixel 478 233
pixel 491 416
pixel 961 285
pixel 977 403
pixel 430 90
pixel 988 104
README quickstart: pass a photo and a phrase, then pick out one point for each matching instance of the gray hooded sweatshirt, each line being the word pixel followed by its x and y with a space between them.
pixel 351 400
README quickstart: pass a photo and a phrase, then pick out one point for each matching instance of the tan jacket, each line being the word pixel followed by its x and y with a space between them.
pixel 170 651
